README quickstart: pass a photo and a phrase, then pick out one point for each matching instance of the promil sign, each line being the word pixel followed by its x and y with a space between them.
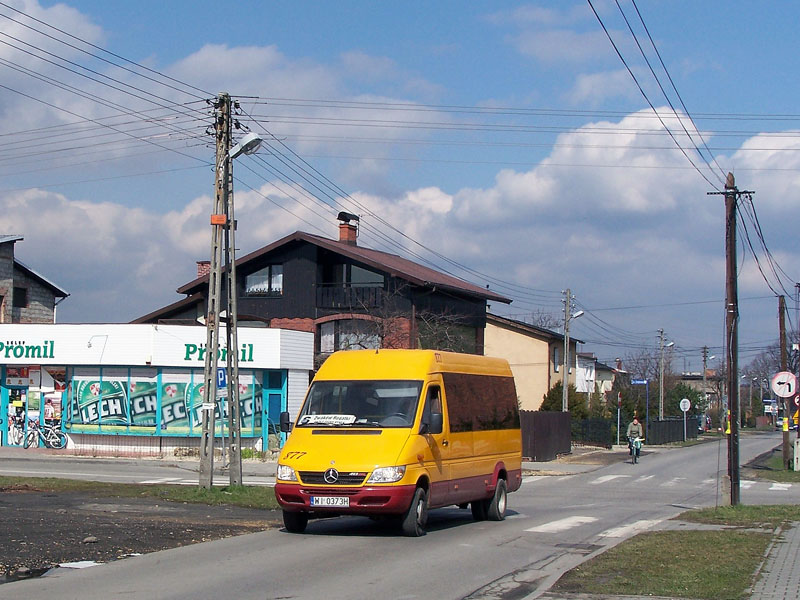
pixel 195 352
pixel 13 349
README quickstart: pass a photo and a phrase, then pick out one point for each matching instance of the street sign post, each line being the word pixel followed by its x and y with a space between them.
pixel 685 406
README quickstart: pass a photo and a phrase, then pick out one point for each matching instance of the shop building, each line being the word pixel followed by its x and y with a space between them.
pixel 128 389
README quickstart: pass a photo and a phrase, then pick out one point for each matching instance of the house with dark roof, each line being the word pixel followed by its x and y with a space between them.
pixel 25 295
pixel 534 353
pixel 348 295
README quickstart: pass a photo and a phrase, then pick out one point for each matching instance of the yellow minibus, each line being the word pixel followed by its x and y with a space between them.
pixel 397 432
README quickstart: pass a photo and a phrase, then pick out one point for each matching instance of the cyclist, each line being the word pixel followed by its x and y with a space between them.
pixel 634 431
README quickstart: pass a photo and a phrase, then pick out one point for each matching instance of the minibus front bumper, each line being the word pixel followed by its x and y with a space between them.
pixel 370 500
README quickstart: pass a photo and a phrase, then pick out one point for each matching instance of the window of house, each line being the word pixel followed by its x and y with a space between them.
pixel 20 297
pixel 556 359
pixel 348 334
pixel 265 282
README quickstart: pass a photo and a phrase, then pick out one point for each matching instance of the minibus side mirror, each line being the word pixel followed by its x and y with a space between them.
pixel 435 426
pixel 286 423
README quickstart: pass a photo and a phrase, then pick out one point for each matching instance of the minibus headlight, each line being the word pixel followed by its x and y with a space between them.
pixel 387 474
pixel 286 473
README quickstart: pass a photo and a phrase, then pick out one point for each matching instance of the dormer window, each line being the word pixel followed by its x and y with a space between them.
pixel 265 282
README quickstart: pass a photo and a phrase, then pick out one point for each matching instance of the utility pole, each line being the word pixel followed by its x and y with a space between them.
pixel 787 461
pixel 732 331
pixel 661 375
pixel 796 346
pixel 705 389
pixel 231 327
pixel 219 227
pixel 565 371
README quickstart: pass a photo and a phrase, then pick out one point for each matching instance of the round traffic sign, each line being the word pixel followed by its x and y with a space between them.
pixel 784 384
pixel 685 404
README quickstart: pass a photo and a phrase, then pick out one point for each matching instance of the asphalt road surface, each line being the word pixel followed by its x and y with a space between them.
pixel 554 523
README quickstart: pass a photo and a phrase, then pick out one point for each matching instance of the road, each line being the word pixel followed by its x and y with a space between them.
pixel 554 523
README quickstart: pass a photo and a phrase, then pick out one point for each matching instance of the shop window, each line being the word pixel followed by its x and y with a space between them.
pixel 265 282
pixel 20 297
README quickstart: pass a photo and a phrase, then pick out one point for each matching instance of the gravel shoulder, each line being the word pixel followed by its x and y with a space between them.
pixel 41 530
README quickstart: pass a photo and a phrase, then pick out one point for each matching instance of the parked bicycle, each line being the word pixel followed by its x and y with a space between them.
pixel 16 432
pixel 635 445
pixel 48 434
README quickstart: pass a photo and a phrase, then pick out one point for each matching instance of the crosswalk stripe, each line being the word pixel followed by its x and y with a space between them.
pixel 625 530
pixel 606 479
pixel 781 487
pixel 562 524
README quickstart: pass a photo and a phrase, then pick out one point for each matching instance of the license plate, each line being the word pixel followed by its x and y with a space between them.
pixel 330 501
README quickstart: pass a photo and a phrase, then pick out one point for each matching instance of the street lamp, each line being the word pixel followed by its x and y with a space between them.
pixel 223 224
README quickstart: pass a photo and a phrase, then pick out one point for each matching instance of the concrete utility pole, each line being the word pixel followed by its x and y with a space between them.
pixel 565 357
pixel 661 374
pixel 568 316
pixel 219 223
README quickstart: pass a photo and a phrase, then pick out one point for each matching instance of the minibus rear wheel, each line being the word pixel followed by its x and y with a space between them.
pixel 414 521
pixel 295 522
pixel 496 511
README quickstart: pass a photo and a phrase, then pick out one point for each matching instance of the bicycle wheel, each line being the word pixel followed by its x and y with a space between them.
pixel 31 439
pixel 58 439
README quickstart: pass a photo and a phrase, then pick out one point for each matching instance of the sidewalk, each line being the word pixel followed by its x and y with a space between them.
pixel 779 577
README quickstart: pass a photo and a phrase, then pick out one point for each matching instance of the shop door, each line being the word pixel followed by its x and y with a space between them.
pixel 4 417
pixel 15 415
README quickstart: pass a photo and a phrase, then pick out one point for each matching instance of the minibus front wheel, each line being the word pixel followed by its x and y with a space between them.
pixel 415 519
pixel 295 522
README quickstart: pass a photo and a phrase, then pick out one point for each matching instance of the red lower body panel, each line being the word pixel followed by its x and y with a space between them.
pixel 374 500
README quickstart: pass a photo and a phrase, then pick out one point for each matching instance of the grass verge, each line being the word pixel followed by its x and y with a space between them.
pixel 259 497
pixel 676 563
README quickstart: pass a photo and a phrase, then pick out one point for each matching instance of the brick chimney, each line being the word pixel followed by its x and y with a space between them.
pixel 203 268
pixel 348 232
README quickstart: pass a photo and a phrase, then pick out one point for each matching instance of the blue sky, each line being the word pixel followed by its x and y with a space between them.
pixel 507 137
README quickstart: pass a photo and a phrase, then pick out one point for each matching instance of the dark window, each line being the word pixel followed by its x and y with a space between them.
pixel 480 402
pixel 20 297
pixel 265 282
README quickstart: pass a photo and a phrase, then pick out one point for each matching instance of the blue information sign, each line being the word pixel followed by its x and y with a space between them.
pixel 222 378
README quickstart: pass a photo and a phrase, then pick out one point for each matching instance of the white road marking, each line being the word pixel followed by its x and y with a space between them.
pixel 746 484
pixel 673 482
pixel 630 529
pixel 781 487
pixel 644 477
pixel 606 479
pixel 562 524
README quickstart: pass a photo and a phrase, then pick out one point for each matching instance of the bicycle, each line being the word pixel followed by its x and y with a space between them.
pixel 635 445
pixel 17 431
pixel 48 434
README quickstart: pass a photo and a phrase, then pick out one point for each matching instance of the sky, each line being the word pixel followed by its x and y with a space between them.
pixel 511 144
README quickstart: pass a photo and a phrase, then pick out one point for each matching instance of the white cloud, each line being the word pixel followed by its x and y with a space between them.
pixel 594 89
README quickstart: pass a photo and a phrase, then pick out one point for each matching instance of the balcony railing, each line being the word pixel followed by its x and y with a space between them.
pixel 350 297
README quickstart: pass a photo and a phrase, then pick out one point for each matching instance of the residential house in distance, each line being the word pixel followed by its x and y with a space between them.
pixel 347 295
pixel 25 295
pixel 534 353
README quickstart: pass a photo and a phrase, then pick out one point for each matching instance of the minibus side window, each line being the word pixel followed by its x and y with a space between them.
pixel 432 416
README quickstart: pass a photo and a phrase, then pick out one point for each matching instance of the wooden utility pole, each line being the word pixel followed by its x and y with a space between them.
pixel 787 461
pixel 732 334
pixel 219 222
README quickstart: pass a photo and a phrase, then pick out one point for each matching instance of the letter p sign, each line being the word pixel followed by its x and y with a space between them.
pixel 222 378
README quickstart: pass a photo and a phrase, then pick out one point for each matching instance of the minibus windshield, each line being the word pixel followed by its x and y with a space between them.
pixel 360 404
